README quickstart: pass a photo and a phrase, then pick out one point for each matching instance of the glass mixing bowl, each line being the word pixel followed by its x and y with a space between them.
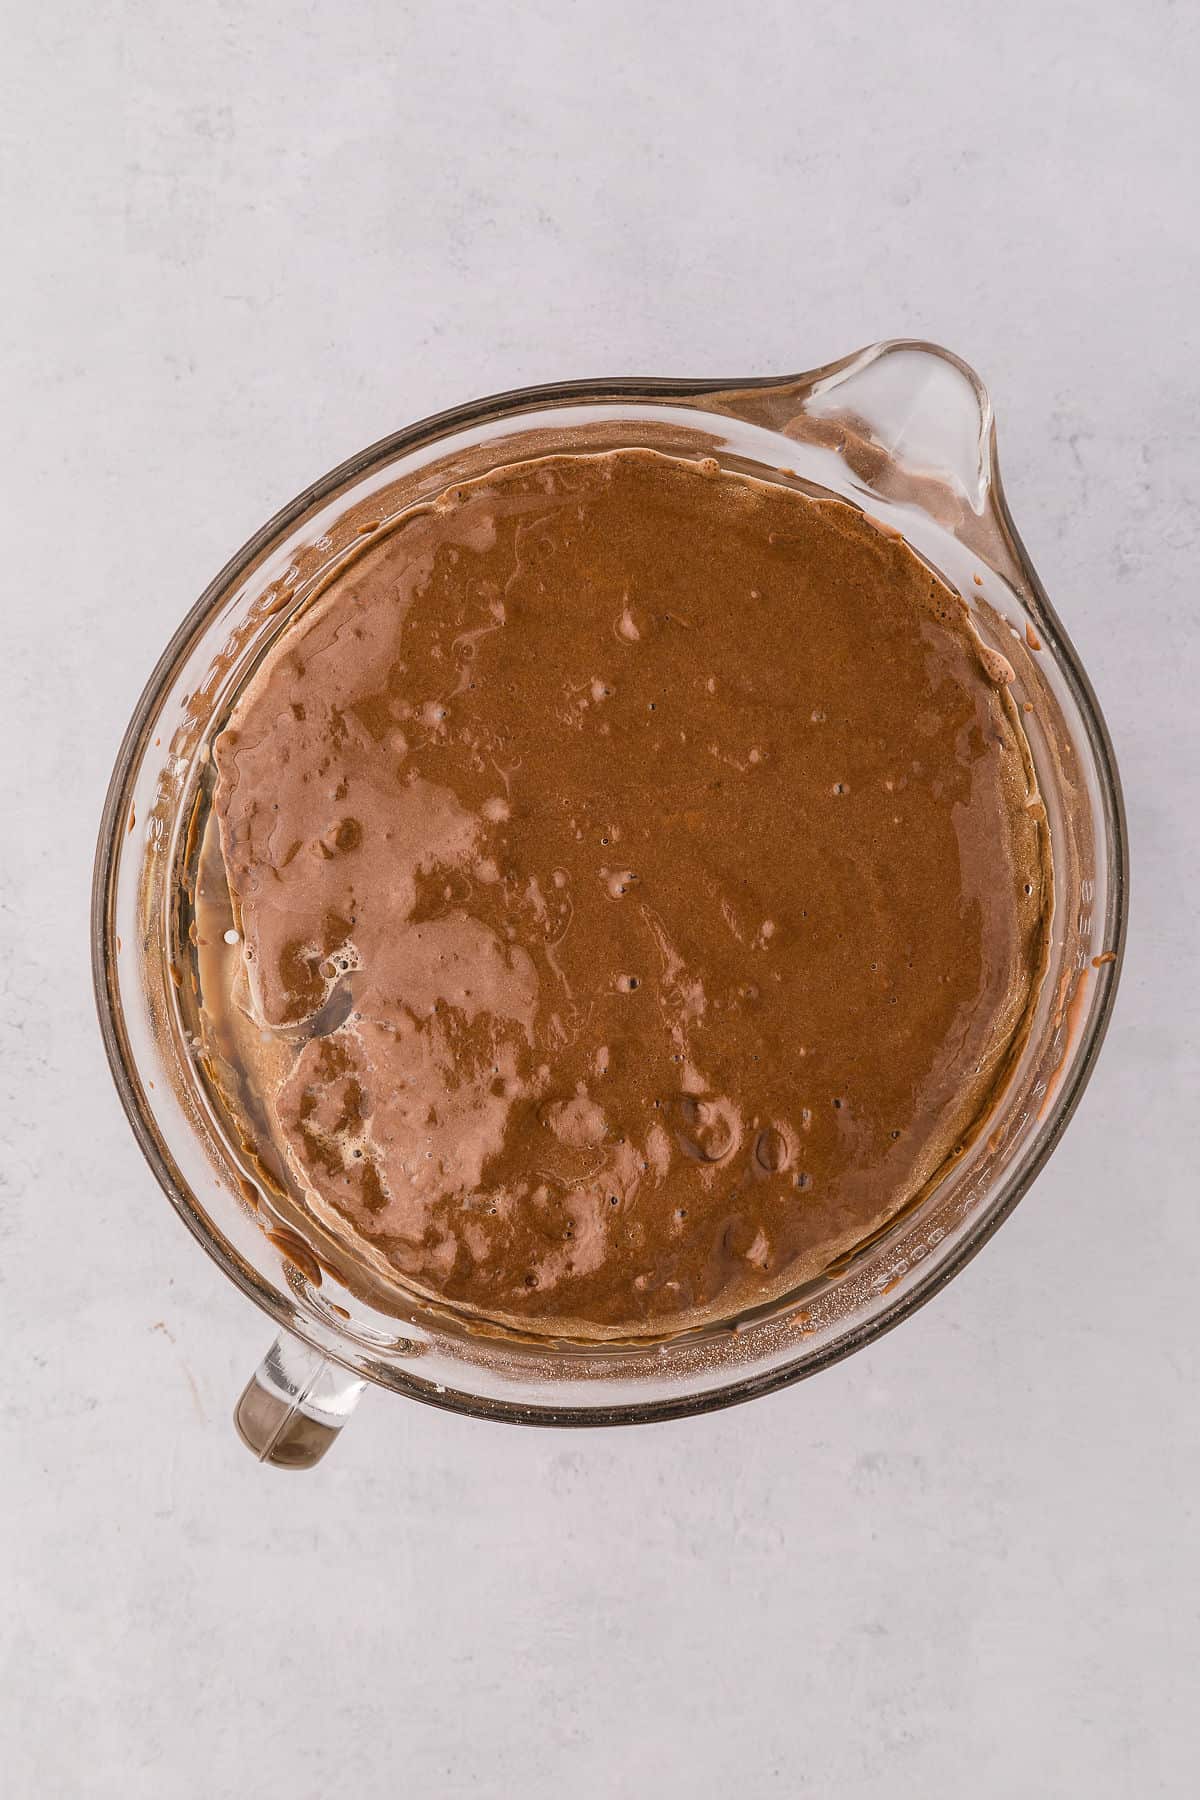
pixel 903 430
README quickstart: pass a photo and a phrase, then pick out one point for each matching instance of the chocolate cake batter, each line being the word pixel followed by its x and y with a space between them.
pixel 639 892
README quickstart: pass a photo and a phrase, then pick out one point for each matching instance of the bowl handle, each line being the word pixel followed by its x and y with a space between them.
pixel 920 416
pixel 925 407
pixel 294 1405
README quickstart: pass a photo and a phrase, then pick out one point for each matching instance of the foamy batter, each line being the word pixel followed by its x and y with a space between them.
pixel 638 890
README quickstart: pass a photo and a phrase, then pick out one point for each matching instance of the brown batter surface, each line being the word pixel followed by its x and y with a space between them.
pixel 639 894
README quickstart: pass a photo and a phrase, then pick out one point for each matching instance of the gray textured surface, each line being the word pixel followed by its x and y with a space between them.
pixel 249 239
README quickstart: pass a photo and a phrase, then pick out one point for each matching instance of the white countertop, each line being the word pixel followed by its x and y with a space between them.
pixel 250 238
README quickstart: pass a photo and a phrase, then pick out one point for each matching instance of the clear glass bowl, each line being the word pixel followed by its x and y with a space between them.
pixel 903 430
